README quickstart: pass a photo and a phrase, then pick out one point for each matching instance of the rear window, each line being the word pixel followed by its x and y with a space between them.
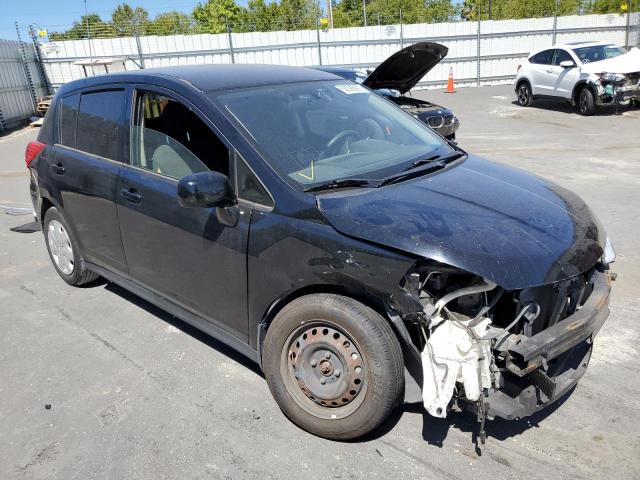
pixel 543 58
pixel 101 128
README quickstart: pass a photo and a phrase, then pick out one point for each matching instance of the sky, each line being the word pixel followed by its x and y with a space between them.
pixel 60 14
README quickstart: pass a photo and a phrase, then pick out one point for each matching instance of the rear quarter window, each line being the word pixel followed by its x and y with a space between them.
pixel 47 131
pixel 543 58
pixel 101 128
pixel 67 120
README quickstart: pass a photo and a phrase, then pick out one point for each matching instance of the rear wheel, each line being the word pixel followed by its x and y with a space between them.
pixel 333 365
pixel 525 98
pixel 586 102
pixel 63 250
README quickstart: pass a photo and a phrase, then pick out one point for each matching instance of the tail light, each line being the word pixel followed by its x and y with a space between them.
pixel 32 151
pixel 518 69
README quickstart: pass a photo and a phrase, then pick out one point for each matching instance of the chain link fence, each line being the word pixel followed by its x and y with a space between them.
pixel 481 50
pixel 22 82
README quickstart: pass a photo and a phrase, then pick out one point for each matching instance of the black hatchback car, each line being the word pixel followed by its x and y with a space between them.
pixel 358 272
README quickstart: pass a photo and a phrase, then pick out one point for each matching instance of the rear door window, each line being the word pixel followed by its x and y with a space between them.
pixel 101 128
pixel 543 58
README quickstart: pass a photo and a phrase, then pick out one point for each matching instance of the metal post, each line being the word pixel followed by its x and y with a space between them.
pixel 43 74
pixel 555 23
pixel 140 53
pixel 364 11
pixel 233 58
pixel 2 127
pixel 27 72
pixel 318 37
pixel 401 32
pixel 478 54
pixel 86 18
pixel 626 32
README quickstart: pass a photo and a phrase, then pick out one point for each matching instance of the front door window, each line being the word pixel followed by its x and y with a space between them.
pixel 173 141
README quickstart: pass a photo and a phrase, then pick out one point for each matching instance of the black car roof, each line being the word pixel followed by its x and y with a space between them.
pixel 212 77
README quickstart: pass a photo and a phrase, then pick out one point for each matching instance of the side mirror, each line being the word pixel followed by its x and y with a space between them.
pixel 567 64
pixel 205 190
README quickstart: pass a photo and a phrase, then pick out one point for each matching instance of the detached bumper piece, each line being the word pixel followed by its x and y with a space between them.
pixel 542 368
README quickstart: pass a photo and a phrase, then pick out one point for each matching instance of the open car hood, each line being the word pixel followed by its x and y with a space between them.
pixel 498 222
pixel 626 63
pixel 404 69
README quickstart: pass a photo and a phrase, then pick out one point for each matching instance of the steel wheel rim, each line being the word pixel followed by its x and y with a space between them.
pixel 329 355
pixel 523 95
pixel 60 247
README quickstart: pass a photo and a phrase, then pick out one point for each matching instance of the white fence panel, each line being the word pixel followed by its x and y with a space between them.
pixel 490 55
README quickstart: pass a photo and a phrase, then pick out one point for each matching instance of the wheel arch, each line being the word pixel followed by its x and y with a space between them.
pixel 361 295
pixel 45 204
pixel 578 87
pixel 521 81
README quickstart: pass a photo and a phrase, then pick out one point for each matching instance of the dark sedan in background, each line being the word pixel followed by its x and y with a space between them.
pixel 397 75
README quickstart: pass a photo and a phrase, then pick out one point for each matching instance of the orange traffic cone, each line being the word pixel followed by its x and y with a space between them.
pixel 450 88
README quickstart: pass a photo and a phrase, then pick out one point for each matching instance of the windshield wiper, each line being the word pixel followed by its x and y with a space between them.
pixel 339 183
pixel 440 158
pixel 431 166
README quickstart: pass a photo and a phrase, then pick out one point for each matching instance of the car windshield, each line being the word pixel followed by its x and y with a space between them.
pixel 595 53
pixel 315 132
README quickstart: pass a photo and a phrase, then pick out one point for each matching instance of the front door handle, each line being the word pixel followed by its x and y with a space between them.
pixel 131 194
pixel 58 168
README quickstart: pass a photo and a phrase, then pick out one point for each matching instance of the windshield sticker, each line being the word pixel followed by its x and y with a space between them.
pixel 351 88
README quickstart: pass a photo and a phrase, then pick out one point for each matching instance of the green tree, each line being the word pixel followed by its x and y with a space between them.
pixel 212 16
pixel 298 14
pixel 507 9
pixel 413 11
pixel 348 13
pixel 128 21
pixel 610 6
pixel 171 23
pixel 90 25
pixel 261 16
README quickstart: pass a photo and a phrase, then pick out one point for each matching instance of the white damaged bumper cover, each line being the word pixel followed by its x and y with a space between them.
pixel 540 368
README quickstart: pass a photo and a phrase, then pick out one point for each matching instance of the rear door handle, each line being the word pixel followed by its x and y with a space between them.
pixel 58 168
pixel 131 195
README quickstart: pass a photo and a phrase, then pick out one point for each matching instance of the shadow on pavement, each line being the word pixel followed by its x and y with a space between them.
pixel 179 324
pixel 566 107
pixel 434 430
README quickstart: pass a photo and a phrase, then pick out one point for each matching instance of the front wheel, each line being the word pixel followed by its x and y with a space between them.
pixel 525 97
pixel 586 102
pixel 333 365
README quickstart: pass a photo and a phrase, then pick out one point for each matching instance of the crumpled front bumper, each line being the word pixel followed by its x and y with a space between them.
pixel 542 368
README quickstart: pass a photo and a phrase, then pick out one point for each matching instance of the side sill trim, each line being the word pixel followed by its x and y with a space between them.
pixel 179 312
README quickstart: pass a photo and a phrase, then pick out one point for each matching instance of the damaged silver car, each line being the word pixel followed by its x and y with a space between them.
pixel 587 74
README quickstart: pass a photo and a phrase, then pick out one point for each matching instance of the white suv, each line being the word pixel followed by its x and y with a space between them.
pixel 587 74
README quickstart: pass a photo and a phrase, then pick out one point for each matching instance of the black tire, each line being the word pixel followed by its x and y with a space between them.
pixel 352 324
pixel 80 275
pixel 586 102
pixel 524 95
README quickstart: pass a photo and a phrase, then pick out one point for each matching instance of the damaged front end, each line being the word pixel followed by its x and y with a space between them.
pixel 502 353
pixel 616 88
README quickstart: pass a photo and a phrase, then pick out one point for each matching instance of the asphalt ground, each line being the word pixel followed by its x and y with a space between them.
pixel 96 383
